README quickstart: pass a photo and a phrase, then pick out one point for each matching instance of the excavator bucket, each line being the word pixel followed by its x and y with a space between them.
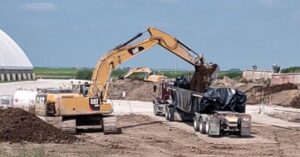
pixel 204 75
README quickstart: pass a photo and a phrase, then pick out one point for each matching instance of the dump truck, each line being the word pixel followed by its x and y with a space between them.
pixel 215 112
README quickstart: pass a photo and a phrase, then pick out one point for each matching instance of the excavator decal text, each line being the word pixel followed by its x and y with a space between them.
pixel 135 50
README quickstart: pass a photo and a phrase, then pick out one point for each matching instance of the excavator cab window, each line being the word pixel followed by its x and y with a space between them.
pixel 84 89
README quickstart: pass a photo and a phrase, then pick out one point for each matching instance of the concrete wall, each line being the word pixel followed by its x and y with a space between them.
pixel 286 78
pixel 251 75
pixel 16 75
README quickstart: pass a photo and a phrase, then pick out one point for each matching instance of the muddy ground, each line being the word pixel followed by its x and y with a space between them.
pixel 143 136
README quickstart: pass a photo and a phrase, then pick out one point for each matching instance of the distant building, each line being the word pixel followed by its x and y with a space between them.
pixel 14 64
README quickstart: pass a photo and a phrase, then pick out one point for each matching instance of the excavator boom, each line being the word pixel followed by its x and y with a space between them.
pixel 126 51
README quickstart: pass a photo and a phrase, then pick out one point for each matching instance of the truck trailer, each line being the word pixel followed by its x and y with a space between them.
pixel 217 111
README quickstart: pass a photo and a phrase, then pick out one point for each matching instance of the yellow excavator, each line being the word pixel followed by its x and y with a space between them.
pixel 145 70
pixel 89 108
pixel 148 74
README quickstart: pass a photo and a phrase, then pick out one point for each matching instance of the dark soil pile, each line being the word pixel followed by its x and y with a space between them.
pixel 202 77
pixel 17 125
pixel 134 90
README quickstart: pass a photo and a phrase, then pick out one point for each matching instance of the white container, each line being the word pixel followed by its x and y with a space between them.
pixel 24 99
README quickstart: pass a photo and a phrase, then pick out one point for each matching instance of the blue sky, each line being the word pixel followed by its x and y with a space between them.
pixel 232 33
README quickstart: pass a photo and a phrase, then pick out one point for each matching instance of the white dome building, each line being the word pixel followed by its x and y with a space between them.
pixel 14 64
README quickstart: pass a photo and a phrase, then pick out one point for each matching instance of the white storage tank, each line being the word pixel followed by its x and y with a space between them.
pixel 24 99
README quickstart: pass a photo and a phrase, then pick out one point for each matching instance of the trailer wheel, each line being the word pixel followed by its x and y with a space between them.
pixel 155 110
pixel 207 126
pixel 202 126
pixel 167 113
pixel 171 113
pixel 196 124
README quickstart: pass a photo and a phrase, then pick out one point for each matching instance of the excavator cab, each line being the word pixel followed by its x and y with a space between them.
pixel 84 89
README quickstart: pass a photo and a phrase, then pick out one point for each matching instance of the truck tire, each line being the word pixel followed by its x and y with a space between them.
pixel 171 113
pixel 196 124
pixel 207 126
pixel 155 110
pixel 167 113
pixel 202 126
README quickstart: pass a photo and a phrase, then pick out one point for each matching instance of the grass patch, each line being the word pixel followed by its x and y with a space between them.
pixel 294 69
pixel 86 73
pixel 48 72
pixel 236 75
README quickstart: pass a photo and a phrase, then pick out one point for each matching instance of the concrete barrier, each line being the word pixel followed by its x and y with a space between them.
pixel 251 75
pixel 13 76
pixel 19 76
pixel 29 76
pixel 2 77
pixel 286 78
pixel 7 76
pixel 24 76
pixel 33 76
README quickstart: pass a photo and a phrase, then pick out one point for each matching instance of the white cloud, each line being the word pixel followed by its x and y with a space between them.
pixel 39 7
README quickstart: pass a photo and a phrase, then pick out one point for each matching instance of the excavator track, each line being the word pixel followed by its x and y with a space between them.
pixel 110 125
pixel 69 126
pixel 58 122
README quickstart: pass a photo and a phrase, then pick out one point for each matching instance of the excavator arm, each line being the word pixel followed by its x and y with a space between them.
pixel 175 46
pixel 107 63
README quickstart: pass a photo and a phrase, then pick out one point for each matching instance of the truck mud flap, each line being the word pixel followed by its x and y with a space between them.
pixel 245 128
pixel 214 127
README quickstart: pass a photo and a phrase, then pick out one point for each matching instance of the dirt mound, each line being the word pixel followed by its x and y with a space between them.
pixel 275 94
pixel 226 82
pixel 134 90
pixel 273 88
pixel 137 118
pixel 17 125
pixel 262 93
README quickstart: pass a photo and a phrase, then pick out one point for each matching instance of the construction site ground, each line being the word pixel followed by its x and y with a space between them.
pixel 143 134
